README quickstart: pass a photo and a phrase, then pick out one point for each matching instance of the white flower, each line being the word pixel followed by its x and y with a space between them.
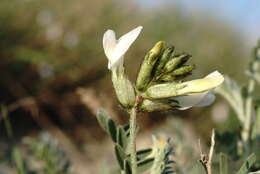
pixel 115 49
pixel 204 98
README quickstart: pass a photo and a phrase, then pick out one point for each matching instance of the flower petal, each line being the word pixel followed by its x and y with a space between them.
pixel 214 74
pixel 109 44
pixel 207 100
pixel 201 85
pixel 188 101
pixel 124 43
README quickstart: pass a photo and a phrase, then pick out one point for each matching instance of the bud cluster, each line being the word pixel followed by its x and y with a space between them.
pixel 162 64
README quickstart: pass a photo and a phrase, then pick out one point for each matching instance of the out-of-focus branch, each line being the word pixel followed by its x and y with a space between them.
pixel 206 160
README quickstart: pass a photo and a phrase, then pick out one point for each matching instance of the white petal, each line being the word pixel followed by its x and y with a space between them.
pixel 214 74
pixel 109 44
pixel 124 43
pixel 197 100
pixel 207 100
pixel 189 101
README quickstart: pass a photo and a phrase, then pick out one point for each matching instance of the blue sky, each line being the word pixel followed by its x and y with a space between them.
pixel 242 14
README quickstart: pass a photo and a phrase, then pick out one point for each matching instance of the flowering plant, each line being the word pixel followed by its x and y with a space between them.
pixel 159 86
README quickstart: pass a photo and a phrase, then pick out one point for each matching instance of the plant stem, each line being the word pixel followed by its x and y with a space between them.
pixel 248 115
pixel 132 143
pixel 206 160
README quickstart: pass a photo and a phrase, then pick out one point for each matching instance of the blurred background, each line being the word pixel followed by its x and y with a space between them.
pixel 54 72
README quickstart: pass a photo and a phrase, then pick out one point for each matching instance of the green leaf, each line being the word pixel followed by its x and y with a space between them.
pixel 247 164
pixel 107 124
pixel 141 154
pixel 126 129
pixel 121 137
pixel 103 119
pixel 112 129
pixel 120 156
pixel 223 163
pixel 142 166
pixel 168 170
pixel 170 162
pixel 127 167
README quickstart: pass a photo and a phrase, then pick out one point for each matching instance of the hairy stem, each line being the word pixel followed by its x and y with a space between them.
pixel 132 143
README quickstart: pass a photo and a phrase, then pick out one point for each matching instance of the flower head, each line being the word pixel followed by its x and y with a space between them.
pixel 159 80
pixel 115 49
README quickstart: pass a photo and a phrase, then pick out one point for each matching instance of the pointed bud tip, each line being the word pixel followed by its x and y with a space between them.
pixel 158 47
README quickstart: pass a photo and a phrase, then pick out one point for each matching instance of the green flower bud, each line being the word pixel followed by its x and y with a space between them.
pixel 175 63
pixel 167 78
pixel 185 69
pixel 124 89
pixel 163 59
pixel 168 90
pixel 157 105
pixel 179 73
pixel 145 73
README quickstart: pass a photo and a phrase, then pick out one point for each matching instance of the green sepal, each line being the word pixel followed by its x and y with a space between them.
pixel 120 156
pixel 247 164
pixel 157 105
pixel 123 87
pixel 164 90
pixel 144 165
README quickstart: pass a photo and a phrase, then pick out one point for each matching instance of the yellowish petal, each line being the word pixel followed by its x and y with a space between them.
pixel 201 85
